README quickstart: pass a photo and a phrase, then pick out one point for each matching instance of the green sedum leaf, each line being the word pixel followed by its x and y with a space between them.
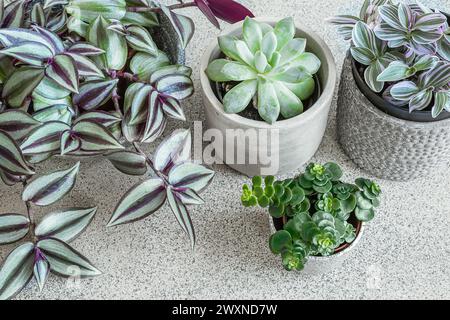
pixel 239 97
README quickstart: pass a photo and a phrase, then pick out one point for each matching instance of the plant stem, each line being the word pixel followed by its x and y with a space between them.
pixel 150 162
pixel 180 5
pixel 29 213
pixel 115 99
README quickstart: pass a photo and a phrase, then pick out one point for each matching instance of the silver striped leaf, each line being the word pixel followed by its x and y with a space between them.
pixel 128 162
pixel 10 179
pixel 177 86
pixel 138 203
pixel 65 225
pixel 14 14
pixel 52 38
pixel 65 261
pixel 52 187
pixel 17 123
pixel 106 119
pixel 183 25
pixel 16 271
pixel 20 85
pixel 182 215
pixel 44 139
pixel 156 121
pixel 13 227
pixel 31 53
pixel 95 137
pixel 173 150
pixel 41 269
pixel 140 40
pixel 64 72
pixel 94 94
pixel 12 160
pixel 85 49
pixel 188 197
pixel 70 142
pixel 190 176
pixel 85 66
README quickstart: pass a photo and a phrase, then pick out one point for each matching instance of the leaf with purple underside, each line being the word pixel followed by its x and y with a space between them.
pixel 52 187
pixel 229 10
pixel 139 202
pixel 173 150
pixel 128 162
pixel 184 26
pixel 70 142
pixel 41 268
pixel 206 10
pixel 182 215
pixel 12 160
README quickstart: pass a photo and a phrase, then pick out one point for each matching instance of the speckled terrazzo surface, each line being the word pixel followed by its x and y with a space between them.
pixel 405 252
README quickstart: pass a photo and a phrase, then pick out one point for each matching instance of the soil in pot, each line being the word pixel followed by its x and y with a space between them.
pixel 280 222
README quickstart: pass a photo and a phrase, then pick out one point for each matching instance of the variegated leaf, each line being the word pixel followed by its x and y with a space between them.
pixel 184 26
pixel 139 202
pixel 39 158
pixel 10 179
pixel 128 162
pixel 438 76
pixel 32 53
pixel 89 10
pixel 14 36
pixel 172 151
pixel 59 112
pixel 172 108
pixel 13 227
pixel 41 268
pixel 44 139
pixel 17 271
pixel 51 3
pixel 11 157
pixel 52 187
pixel 404 90
pixel 85 67
pixel 177 86
pixel 64 72
pixel 20 85
pixel 94 94
pixel 144 64
pixel 140 105
pixel 421 100
pixel 63 259
pixel 188 197
pixel 106 119
pixel 14 15
pixel 441 99
pixel 165 71
pixel 65 225
pixel 38 15
pixel 190 176
pixel 95 137
pixel 52 39
pixel 182 215
pixel 70 142
pixel 49 89
pixel 140 40
pixel 430 21
pixel 156 122
pixel 17 123
pixel 85 49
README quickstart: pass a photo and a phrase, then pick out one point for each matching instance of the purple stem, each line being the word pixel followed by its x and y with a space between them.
pixel 158 9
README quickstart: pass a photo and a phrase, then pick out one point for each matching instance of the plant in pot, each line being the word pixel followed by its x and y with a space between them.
pixel 273 76
pixel 394 104
pixel 85 78
pixel 316 218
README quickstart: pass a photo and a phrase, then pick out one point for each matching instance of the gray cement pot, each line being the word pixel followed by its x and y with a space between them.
pixel 385 146
pixel 299 137
pixel 320 265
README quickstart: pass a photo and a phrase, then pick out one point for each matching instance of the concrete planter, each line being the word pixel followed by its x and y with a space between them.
pixel 319 265
pixel 385 146
pixel 295 140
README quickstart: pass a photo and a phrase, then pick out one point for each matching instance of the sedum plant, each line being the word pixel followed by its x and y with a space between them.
pixel 316 209
pixel 405 53
pixel 84 78
pixel 271 67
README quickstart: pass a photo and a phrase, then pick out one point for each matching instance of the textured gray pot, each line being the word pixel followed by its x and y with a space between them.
pixel 299 137
pixel 384 146
pixel 320 265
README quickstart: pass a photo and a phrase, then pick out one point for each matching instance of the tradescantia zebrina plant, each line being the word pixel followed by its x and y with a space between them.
pixel 319 212
pixel 85 78
pixel 405 51
pixel 271 67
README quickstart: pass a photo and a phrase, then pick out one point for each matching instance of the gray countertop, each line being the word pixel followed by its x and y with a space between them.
pixel 405 252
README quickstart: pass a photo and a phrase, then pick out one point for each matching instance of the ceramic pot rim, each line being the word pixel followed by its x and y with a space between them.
pixel 318 107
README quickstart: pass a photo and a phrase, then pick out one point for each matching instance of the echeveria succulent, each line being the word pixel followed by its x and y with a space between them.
pixel 86 78
pixel 315 208
pixel 271 67
pixel 406 54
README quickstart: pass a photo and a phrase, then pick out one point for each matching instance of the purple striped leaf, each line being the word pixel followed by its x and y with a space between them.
pixel 405 15
pixel 172 151
pixel 12 160
pixel 17 271
pixel 404 90
pixel 15 36
pixel 51 3
pixel 156 122
pixel 63 259
pixel 65 225
pixel 20 85
pixel 184 26
pixel 441 100
pixel 13 15
pixel 438 76
pixel 364 36
pixel 138 203
pixel 13 227
pixel 63 71
pixel 190 176
pixel 140 40
pixel 362 55
pixel 140 104
pixel 94 94
pixel 128 162
pixel 182 215
pixel 430 22
pixel 52 38
pixel 421 100
pixel 52 187
pixel 44 139
pixel 10 179
pixel 41 268
pixel 85 49
pixel 85 66
pixel 95 137
pixel 344 20
pixel 443 47
pixel 396 71
pixel 172 108
pixel 426 62
pixel 371 76
pixel 17 123
pixel 57 112
pixel 106 119
pixel 37 16
pixel 70 142
pixel 32 53
pixel 395 37
pixel 188 197
pixel 165 71
pixel 389 14
pixel 177 86
pixel 425 38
